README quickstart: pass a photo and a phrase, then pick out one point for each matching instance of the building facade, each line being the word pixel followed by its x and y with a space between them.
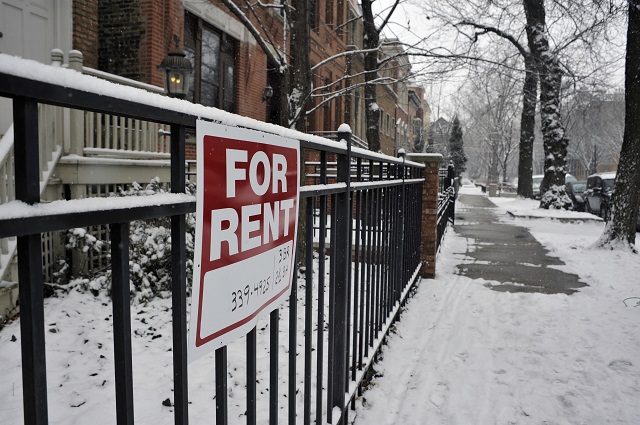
pixel 130 38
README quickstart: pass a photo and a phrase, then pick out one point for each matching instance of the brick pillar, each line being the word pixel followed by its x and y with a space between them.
pixel 429 211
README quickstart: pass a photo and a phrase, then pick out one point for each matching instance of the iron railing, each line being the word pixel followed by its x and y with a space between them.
pixel 446 213
pixel 89 134
pixel 446 201
pixel 374 210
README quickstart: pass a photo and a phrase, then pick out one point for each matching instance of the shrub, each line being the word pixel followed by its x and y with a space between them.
pixel 149 250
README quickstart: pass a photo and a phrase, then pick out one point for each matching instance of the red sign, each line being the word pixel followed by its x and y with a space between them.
pixel 247 207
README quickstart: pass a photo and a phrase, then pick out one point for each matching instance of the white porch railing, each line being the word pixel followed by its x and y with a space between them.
pixel 71 132
pixel 123 134
pixel 7 194
pixel 112 132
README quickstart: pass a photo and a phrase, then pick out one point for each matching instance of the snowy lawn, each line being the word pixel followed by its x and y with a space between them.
pixel 464 354
pixel 80 364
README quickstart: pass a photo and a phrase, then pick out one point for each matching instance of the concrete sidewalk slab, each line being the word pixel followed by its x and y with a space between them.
pixel 507 254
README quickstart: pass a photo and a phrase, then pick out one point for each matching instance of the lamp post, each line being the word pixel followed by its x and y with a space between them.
pixel 177 73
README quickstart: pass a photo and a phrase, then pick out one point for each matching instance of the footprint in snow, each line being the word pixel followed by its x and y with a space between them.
pixel 620 365
pixel 462 356
pixel 439 394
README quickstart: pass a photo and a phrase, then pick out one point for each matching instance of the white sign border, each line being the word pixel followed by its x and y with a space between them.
pixel 207 128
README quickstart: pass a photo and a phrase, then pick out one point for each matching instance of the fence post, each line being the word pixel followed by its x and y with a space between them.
pixel 401 226
pixel 34 365
pixel 429 224
pixel 342 211
pixel 451 176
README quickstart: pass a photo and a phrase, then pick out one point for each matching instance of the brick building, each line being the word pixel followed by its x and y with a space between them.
pixel 419 118
pixel 130 38
pixel 402 106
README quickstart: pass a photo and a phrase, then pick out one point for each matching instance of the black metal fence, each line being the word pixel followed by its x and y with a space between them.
pixel 373 210
pixel 446 201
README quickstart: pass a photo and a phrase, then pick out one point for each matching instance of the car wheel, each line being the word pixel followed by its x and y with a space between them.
pixel 604 212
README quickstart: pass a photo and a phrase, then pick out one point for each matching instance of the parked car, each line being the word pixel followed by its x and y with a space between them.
pixel 537 181
pixel 597 197
pixel 576 190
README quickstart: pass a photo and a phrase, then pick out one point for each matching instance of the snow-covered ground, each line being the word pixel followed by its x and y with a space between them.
pixel 464 354
pixel 461 354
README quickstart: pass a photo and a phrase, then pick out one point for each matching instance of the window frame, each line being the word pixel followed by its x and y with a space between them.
pixel 226 55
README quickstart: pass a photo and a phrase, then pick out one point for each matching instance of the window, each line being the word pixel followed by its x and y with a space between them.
pixel 327 106
pixel 352 28
pixel 340 19
pixel 328 15
pixel 417 126
pixel 313 15
pixel 212 54
pixel 356 108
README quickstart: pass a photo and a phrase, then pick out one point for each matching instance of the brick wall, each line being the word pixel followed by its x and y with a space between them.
pixel 251 71
pixel 429 225
pixel 85 30
pixel 131 37
pixel 162 25
pixel 386 100
pixel 120 28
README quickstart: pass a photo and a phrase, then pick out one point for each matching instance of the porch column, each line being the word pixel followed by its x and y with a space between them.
pixel 76 131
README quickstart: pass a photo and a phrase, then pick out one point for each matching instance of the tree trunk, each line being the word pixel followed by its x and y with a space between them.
pixel 626 198
pixel 299 99
pixel 555 142
pixel 527 126
pixel 493 170
pixel 505 164
pixel 285 72
pixel 300 63
pixel 370 42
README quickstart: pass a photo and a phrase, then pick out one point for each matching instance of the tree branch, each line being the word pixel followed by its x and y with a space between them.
pixel 242 17
pixel 500 33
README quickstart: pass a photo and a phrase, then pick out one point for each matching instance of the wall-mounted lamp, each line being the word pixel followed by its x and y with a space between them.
pixel 267 94
pixel 177 72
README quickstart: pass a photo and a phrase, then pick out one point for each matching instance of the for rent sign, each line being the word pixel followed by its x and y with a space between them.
pixel 247 204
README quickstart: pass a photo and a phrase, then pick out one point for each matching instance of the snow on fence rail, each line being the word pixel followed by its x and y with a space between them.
pixel 334 322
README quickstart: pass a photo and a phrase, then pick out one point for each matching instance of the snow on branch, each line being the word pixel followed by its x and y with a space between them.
pixel 271 52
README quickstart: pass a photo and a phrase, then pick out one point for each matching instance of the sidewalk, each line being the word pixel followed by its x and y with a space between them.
pixel 496 338
pixel 507 253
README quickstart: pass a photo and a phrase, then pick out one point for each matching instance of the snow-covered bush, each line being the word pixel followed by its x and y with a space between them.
pixel 81 239
pixel 149 250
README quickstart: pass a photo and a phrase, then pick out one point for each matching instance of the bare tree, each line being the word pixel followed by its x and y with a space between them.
pixel 578 31
pixel 275 50
pixel 371 45
pixel 595 124
pixel 528 109
pixel 553 134
pixel 301 63
pixel 626 199
pixel 490 103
